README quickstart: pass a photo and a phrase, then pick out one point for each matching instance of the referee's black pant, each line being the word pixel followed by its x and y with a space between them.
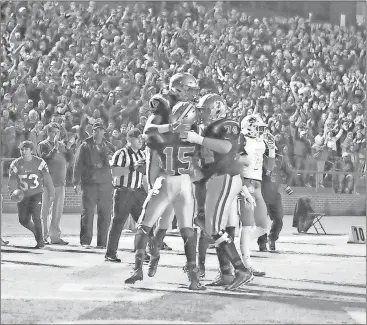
pixel 126 201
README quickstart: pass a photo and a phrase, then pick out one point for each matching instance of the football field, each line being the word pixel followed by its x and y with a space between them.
pixel 311 279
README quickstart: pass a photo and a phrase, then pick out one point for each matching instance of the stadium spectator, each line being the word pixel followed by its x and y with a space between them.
pixel 57 156
pixel 76 60
pixel 92 175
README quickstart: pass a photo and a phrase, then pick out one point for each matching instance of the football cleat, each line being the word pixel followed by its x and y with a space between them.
pixel 241 278
pixel 193 276
pixel 263 248
pixel 40 245
pixel 153 265
pixel 136 276
pixel 113 259
pixel 221 280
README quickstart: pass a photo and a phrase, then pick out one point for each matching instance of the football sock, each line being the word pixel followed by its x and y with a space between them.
pixel 245 245
pixel 203 246
pixel 188 237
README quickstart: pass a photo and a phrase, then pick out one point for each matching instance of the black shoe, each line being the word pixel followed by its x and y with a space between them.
pixel 100 247
pixel 46 241
pixel 136 276
pixel 241 278
pixel 113 259
pixel 263 248
pixel 40 245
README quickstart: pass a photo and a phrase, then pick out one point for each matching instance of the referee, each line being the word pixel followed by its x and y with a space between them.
pixel 128 169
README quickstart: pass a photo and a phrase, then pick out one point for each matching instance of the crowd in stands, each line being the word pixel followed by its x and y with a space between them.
pixel 74 63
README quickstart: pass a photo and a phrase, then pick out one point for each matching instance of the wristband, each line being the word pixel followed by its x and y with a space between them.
pixel 165 129
pixel 200 140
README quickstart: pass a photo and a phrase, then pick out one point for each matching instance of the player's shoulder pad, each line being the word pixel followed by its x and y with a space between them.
pixel 159 101
pixel 40 163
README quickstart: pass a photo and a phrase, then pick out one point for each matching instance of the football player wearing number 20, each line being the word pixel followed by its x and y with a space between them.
pixel 176 156
pixel 27 175
pixel 223 185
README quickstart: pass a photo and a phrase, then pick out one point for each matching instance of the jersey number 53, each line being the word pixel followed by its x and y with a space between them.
pixel 28 182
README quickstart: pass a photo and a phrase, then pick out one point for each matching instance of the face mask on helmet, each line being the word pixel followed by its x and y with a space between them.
pixel 211 107
pixel 253 127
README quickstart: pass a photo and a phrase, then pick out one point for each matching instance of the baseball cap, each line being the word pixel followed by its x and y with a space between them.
pixel 26 144
pixel 98 125
pixel 134 133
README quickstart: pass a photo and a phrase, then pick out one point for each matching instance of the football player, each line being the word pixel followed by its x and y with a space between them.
pixel 223 183
pixel 254 141
pixel 163 130
pixel 27 175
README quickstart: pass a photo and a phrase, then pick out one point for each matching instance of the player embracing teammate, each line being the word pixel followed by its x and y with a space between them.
pixel 198 153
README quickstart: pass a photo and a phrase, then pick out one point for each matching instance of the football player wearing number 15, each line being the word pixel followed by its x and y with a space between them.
pixel 27 175
pixel 163 138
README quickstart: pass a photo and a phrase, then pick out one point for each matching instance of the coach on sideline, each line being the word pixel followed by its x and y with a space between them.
pixel 92 175
pixel 57 156
pixel 128 169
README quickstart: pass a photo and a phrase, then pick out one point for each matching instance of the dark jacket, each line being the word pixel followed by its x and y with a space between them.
pixel 92 163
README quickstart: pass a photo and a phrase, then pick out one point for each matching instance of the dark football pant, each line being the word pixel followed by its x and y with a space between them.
pixel 29 213
pixel 125 202
pixel 99 195
pixel 276 214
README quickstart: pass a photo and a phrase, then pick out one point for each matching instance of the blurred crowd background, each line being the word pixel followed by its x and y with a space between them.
pixel 74 63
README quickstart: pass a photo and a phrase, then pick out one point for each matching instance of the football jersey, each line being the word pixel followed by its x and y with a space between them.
pixel 216 163
pixel 29 174
pixel 255 149
pixel 176 157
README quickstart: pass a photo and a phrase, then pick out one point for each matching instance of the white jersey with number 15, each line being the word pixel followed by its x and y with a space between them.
pixel 255 148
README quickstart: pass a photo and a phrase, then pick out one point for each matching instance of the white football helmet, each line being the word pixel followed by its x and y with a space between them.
pixel 253 126
pixel 212 107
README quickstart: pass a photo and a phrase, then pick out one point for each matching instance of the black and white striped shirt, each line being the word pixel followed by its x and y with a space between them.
pixel 127 157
